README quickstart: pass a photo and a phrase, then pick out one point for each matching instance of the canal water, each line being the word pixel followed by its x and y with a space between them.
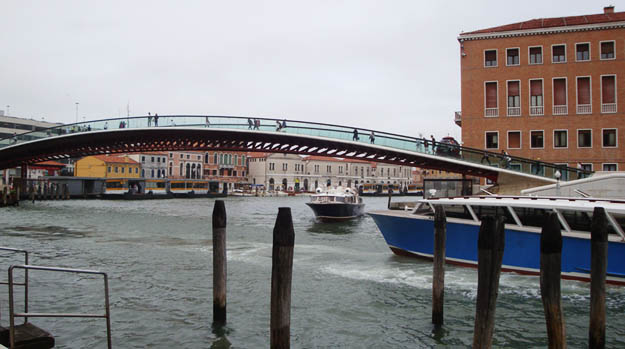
pixel 349 290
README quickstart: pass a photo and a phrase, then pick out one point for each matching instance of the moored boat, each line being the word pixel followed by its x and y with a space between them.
pixel 336 204
pixel 411 233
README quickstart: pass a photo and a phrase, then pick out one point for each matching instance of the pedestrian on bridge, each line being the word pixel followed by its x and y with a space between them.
pixel 156 119
pixel 149 119
pixel 250 124
pixel 278 126
pixel 207 123
pixel 485 157
pixel 372 137
pixel 355 137
pixel 506 158
pixel 433 143
pixel 257 124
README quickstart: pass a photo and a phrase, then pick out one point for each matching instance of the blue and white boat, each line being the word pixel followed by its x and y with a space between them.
pixel 411 233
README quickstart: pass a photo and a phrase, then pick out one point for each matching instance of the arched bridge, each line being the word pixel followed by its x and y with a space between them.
pixel 191 132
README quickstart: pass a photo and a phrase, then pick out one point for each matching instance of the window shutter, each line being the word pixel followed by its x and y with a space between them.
pixel 583 91
pixel 559 91
pixel 491 95
pixel 536 87
pixel 607 89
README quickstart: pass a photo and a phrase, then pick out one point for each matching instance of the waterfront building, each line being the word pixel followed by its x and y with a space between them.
pixel 10 125
pixel 184 164
pixel 306 173
pixel 107 166
pixel 153 164
pixel 226 167
pixel 550 89
pixel 45 168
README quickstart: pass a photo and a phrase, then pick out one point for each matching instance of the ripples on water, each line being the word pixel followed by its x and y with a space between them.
pixel 349 290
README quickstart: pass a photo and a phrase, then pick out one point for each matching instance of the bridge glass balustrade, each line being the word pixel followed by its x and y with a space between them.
pixel 413 144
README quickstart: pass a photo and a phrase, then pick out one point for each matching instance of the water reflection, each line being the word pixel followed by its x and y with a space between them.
pixel 336 228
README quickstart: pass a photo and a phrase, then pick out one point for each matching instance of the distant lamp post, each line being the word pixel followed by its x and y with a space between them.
pixel 557 174
pixel 77 111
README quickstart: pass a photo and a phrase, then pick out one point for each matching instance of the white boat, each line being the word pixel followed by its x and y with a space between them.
pixel 336 204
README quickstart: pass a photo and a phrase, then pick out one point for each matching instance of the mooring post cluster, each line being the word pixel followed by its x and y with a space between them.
pixel 281 273
pixel 491 243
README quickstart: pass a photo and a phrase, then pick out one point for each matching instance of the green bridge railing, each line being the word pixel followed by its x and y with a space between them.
pixel 414 144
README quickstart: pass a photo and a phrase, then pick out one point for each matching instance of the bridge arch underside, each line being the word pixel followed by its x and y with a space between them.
pixel 183 139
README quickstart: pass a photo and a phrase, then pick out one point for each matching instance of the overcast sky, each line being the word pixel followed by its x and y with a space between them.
pixel 387 65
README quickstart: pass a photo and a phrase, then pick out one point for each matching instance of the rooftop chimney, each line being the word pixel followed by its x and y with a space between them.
pixel 608 9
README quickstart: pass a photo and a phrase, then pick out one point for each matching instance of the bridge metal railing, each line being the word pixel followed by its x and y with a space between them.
pixel 363 135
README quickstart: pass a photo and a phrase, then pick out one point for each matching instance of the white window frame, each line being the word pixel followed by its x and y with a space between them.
pixel 613 47
pixel 486 139
pixel 566 59
pixel 507 99
pixel 542 55
pixel 529 94
pixel 577 136
pixel 554 138
pixel 615 137
pixel 530 136
pixel 601 96
pixel 609 163
pixel 496 58
pixel 577 92
pixel 518 51
pixel 520 139
pixel 589 52
pixel 553 94
pixel 497 89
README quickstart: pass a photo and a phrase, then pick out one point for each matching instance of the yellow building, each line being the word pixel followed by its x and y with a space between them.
pixel 107 166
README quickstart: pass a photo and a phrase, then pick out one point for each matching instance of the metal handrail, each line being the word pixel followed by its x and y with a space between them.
pixel 25 283
pixel 341 131
pixel 13 314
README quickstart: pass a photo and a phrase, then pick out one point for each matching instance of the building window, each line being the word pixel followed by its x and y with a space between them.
pixel 609 137
pixel 537 139
pixel 272 166
pixel 188 156
pixel 109 169
pixel 584 138
pixel 514 139
pixel 514 98
pixel 587 167
pixel 181 156
pixel 116 169
pixel 329 169
pixel 490 58
pixel 582 52
pixel 316 168
pixel 607 50
pixel 536 97
pixel 491 107
pixel 608 94
pixel 559 96
pixel 584 105
pixel 560 139
pixel 143 159
pixel 285 167
pixel 123 170
pixel 171 155
pixel 136 170
pixel 610 167
pixel 492 140
pixel 152 160
pixel 558 53
pixel 512 56
pixel 536 55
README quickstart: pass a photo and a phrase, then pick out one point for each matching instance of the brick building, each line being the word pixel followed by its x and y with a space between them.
pixel 551 89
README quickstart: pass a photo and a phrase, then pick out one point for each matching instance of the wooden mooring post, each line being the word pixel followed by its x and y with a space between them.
pixel 438 278
pixel 550 270
pixel 281 276
pixel 219 263
pixel 490 248
pixel 598 270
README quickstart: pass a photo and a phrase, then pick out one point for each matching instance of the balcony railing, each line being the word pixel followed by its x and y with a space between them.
pixel 458 118
pixel 560 110
pixel 491 112
pixel 537 110
pixel 584 109
pixel 608 107
pixel 514 111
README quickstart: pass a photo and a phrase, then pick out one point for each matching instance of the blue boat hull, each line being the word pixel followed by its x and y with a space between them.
pixel 413 235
